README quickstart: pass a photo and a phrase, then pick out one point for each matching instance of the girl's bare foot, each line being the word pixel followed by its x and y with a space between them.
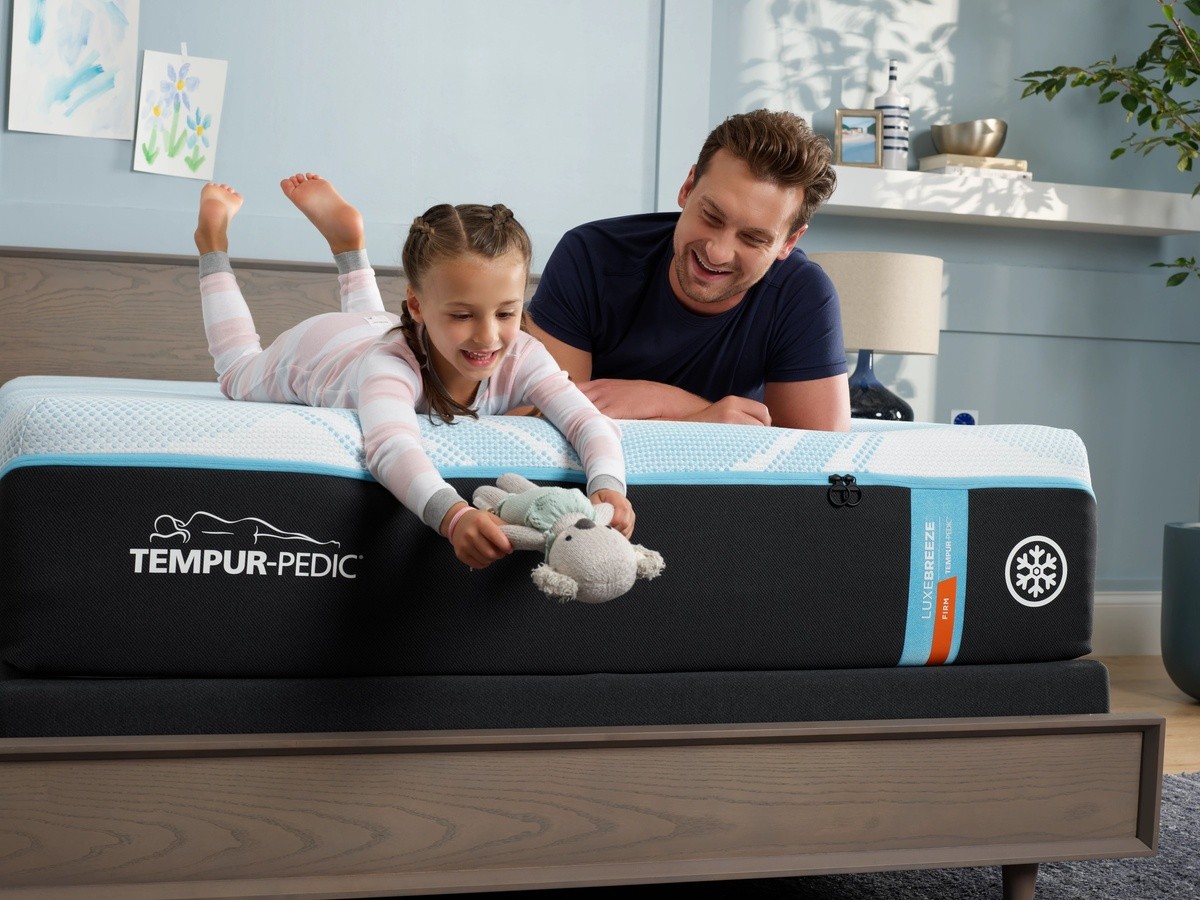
pixel 219 203
pixel 339 222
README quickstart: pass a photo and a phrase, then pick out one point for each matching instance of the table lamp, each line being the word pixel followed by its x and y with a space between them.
pixel 891 303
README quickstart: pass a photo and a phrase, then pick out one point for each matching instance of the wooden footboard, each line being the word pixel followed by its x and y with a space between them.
pixel 377 814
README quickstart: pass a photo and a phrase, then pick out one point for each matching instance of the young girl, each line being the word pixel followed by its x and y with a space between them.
pixel 457 349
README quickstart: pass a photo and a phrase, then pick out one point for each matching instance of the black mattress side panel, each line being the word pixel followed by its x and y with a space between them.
pixel 129 572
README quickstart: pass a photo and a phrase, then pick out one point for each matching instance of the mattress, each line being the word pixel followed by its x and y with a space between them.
pixel 158 529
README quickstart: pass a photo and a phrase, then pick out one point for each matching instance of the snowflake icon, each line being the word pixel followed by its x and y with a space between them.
pixel 1036 571
pixel 1034 574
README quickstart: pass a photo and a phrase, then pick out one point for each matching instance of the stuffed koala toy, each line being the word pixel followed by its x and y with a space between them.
pixel 585 558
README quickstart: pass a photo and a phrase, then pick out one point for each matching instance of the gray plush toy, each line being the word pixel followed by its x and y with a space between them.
pixel 585 558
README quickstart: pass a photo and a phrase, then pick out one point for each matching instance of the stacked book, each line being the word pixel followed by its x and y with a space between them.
pixel 981 166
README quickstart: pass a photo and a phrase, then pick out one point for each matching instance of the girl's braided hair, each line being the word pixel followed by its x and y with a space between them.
pixel 446 232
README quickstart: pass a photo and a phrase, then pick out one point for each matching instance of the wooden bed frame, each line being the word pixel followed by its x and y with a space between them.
pixel 378 814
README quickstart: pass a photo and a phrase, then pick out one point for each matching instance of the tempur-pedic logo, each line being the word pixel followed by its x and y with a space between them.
pixel 214 534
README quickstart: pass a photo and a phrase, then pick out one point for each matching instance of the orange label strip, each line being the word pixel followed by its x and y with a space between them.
pixel 943 622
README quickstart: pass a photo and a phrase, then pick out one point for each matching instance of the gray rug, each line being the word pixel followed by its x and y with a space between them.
pixel 1174 874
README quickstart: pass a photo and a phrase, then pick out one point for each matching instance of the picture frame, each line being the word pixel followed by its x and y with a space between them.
pixel 858 138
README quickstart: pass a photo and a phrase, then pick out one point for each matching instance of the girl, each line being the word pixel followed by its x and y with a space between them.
pixel 457 349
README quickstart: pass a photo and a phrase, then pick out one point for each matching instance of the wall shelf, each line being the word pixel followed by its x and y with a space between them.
pixel 919 196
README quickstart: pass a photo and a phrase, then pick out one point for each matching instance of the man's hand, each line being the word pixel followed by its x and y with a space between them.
pixel 621 398
pixel 623 516
pixel 629 399
pixel 733 410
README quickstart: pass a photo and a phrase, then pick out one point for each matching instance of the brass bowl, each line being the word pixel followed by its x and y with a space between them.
pixel 979 137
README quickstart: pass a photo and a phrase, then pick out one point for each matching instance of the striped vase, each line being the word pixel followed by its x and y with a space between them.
pixel 895 122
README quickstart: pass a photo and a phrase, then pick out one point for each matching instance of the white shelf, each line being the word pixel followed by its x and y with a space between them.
pixel 890 194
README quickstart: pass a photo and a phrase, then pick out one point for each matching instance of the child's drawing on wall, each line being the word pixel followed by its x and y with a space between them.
pixel 180 113
pixel 74 67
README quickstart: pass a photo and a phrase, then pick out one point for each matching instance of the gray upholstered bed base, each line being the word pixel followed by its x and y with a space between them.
pixel 44 707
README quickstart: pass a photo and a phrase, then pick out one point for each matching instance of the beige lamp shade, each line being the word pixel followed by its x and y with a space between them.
pixel 891 302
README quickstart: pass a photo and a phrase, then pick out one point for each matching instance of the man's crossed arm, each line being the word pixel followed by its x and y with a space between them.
pixel 821 404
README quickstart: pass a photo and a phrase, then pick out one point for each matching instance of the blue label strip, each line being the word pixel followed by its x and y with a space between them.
pixel 937 577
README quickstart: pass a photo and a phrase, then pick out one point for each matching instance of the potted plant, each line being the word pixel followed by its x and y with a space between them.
pixel 1154 91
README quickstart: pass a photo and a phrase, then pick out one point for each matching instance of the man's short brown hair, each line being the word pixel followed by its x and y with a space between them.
pixel 781 148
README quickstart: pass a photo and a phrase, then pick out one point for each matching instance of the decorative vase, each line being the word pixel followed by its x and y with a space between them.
pixel 1181 605
pixel 869 399
pixel 895 109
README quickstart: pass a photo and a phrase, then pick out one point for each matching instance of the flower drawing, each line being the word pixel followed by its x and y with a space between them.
pixel 154 116
pixel 177 84
pixel 173 97
pixel 198 126
pixel 179 120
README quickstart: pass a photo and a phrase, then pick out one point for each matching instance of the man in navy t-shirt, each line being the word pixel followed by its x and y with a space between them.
pixel 711 314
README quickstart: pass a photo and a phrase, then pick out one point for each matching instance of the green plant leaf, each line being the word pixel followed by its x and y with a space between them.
pixel 1146 90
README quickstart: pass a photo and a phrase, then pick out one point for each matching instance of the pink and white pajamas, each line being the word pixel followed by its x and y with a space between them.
pixel 349 360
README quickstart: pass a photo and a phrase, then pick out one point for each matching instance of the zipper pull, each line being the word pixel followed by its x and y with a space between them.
pixel 844 491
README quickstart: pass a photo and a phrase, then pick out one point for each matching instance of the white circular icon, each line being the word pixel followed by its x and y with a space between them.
pixel 1036 571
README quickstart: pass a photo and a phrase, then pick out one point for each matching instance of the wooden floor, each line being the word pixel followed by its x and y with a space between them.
pixel 1141 684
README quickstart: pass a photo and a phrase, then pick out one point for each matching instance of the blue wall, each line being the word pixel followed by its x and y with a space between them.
pixel 571 109
pixel 401 103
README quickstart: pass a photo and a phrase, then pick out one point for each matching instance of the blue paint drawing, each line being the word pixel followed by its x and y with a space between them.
pixel 74 30
pixel 116 13
pixel 79 86
pixel 37 22
pixel 74 63
pixel 99 86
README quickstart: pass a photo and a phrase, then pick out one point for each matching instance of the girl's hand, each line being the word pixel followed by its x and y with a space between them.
pixel 477 539
pixel 623 516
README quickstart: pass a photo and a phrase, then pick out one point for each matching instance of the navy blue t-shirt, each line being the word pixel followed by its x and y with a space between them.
pixel 606 290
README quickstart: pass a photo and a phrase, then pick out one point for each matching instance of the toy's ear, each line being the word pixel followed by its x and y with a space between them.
pixel 525 538
pixel 515 484
pixel 649 562
pixel 487 497
pixel 555 584
pixel 602 513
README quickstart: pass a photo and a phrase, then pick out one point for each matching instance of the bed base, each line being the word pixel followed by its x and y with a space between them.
pixel 395 813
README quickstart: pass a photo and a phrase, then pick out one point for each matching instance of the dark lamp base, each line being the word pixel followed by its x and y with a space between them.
pixel 869 399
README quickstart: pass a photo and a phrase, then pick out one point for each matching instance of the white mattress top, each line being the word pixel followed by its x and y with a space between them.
pixel 49 420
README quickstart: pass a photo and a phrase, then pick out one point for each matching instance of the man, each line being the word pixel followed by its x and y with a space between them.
pixel 711 314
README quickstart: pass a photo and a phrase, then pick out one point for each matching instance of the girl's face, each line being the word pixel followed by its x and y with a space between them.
pixel 471 308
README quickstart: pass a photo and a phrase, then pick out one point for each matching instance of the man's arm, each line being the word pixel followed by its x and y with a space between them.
pixel 575 362
pixel 822 404
pixel 637 399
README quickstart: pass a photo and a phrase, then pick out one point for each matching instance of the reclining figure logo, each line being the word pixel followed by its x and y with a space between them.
pixel 208 524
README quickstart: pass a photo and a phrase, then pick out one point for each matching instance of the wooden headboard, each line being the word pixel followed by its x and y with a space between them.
pixel 138 316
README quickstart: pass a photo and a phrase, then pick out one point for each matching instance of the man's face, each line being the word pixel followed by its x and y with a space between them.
pixel 732 229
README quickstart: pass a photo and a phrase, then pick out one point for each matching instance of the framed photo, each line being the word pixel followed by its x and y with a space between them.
pixel 858 137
